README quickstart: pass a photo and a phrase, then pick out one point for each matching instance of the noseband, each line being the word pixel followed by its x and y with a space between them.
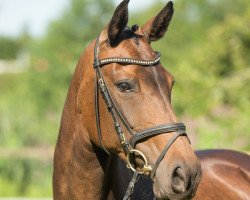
pixel 128 146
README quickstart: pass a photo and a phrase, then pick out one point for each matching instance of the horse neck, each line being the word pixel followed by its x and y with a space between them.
pixel 77 171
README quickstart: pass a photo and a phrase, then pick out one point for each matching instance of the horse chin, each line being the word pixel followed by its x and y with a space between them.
pixel 163 191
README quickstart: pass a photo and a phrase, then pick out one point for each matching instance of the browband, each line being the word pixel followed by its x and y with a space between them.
pixel 100 62
pixel 106 61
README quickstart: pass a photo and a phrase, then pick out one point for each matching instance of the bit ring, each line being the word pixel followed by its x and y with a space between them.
pixel 146 168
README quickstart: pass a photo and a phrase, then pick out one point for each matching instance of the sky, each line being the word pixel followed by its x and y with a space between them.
pixel 36 14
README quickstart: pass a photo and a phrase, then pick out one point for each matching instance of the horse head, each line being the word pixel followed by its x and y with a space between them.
pixel 134 120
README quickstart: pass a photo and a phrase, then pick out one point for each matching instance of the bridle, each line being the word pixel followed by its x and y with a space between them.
pixel 128 146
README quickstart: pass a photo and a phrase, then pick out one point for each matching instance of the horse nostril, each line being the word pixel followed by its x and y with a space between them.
pixel 180 180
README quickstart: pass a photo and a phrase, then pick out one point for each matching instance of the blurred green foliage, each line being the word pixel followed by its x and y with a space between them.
pixel 9 48
pixel 206 48
pixel 25 177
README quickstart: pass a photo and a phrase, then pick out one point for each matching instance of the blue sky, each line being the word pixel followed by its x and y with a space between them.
pixel 36 14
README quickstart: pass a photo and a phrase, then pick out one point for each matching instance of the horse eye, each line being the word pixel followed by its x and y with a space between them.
pixel 124 86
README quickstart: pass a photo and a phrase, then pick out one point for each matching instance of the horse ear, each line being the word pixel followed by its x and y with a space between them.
pixel 118 22
pixel 157 26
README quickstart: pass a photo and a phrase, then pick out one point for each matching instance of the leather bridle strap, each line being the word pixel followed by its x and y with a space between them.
pixel 163 153
pixel 110 106
pixel 178 128
pixel 100 84
pixel 151 132
pixel 97 115
pixel 131 186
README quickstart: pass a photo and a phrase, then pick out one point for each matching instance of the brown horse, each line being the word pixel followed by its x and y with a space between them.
pixel 225 176
pixel 136 91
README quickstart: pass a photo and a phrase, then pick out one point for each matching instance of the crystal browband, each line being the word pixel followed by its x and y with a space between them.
pixel 130 61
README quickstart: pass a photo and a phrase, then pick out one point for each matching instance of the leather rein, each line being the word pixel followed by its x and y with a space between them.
pixel 128 146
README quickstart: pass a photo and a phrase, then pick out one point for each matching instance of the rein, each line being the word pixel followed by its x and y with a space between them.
pixel 129 145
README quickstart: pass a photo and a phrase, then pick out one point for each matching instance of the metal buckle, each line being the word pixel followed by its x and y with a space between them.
pixel 101 82
pixel 146 168
pixel 123 139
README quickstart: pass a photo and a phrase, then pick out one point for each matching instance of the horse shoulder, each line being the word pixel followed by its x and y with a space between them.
pixel 226 175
